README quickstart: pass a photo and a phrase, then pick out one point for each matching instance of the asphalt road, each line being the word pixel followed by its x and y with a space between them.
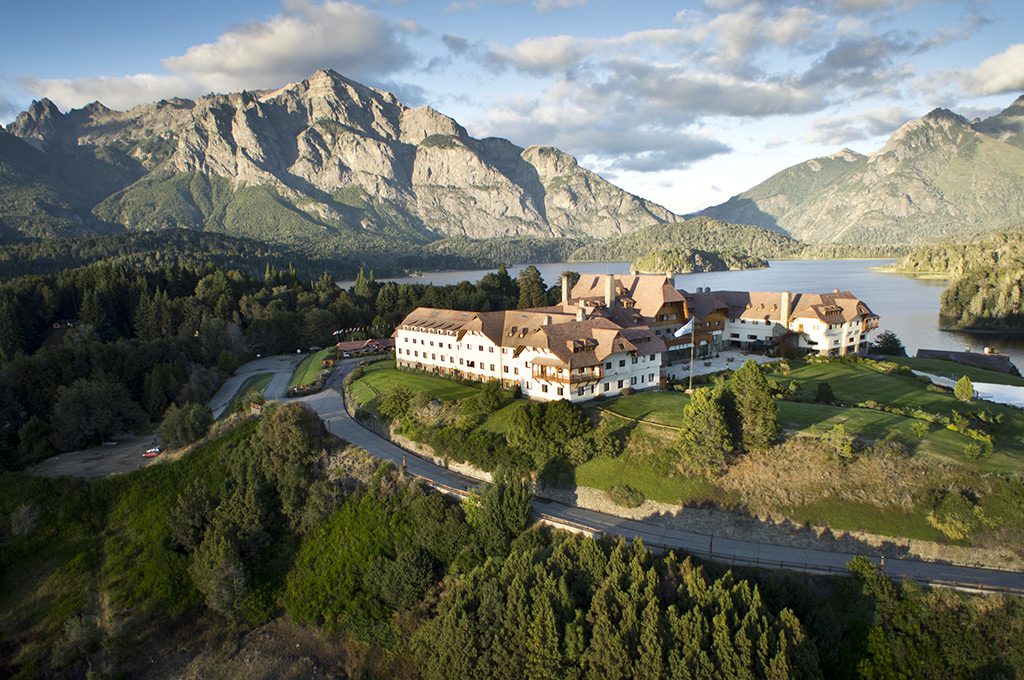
pixel 281 366
pixel 330 407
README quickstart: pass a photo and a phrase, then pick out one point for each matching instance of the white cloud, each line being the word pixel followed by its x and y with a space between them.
pixel 999 74
pixel 287 47
pixel 843 129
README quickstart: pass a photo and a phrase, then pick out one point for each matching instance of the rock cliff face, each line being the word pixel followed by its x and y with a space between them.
pixel 937 177
pixel 327 156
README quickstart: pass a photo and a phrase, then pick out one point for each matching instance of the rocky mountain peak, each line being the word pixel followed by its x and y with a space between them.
pixel 38 123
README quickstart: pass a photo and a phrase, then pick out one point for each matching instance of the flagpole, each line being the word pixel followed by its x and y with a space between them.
pixel 693 344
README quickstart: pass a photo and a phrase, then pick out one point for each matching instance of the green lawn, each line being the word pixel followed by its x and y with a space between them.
pixel 381 375
pixel 953 370
pixel 256 382
pixel 852 382
pixel 309 370
pixel 604 473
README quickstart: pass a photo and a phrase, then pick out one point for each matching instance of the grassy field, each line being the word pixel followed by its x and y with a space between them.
pixel 309 370
pixel 256 382
pixel 604 473
pixel 953 371
pixel 381 375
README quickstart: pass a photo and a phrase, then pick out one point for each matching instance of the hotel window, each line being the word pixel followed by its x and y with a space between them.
pixel 529 386
pixel 544 388
pixel 559 391
pixel 461 362
pixel 650 378
pixel 608 366
pixel 481 347
pixel 622 363
pixel 632 381
pixel 491 350
pixel 635 359
pixel 504 369
pixel 606 386
pixel 579 392
pixel 492 367
pixel 652 357
pixel 433 357
pixel 620 384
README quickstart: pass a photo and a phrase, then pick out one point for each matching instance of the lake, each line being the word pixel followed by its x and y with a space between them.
pixel 907 306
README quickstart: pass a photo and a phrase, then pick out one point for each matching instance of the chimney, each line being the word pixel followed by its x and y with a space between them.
pixel 565 289
pixel 547 319
pixel 609 290
pixel 581 313
pixel 784 309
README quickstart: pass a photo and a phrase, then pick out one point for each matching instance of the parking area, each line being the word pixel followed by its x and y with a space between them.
pixel 99 461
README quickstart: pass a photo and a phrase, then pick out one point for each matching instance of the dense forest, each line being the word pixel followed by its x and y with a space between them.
pixel 682 260
pixel 270 519
pixel 183 246
pixel 126 340
pixel 986 287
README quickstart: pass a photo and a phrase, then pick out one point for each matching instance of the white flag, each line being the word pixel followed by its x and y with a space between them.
pixel 685 330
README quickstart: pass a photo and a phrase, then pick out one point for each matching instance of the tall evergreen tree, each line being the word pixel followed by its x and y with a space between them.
pixel 532 292
pixel 704 439
pixel 757 409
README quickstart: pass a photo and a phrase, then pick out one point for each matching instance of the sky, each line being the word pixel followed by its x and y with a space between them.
pixel 683 103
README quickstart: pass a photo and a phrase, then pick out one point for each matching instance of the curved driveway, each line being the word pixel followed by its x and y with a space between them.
pixel 329 405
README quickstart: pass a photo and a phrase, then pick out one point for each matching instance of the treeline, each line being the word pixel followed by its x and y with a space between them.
pixel 492 252
pixel 986 288
pixel 152 249
pixel 683 260
pixel 272 518
pixel 144 338
pixel 698 233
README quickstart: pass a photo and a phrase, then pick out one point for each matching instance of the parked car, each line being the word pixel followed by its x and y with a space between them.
pixel 152 452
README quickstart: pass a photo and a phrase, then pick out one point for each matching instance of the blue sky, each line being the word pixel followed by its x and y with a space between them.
pixel 683 103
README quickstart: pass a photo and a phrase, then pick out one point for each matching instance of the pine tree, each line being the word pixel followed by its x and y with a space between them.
pixel 758 412
pixel 704 440
pixel 532 292
pixel 650 663
pixel 543 655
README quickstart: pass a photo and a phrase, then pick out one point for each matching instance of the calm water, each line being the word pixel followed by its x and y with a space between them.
pixel 909 307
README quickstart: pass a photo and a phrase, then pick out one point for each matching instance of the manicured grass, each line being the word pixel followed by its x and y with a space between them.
pixel 383 374
pixel 953 371
pixel 664 408
pixel 309 370
pixel 256 382
pixel 604 473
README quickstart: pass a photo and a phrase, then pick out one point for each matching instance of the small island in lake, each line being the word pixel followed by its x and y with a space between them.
pixel 686 260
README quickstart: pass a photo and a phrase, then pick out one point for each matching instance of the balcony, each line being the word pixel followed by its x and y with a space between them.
pixel 568 376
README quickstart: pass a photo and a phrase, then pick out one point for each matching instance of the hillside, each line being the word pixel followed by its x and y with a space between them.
pixel 937 177
pixel 699 233
pixel 986 289
pixel 320 164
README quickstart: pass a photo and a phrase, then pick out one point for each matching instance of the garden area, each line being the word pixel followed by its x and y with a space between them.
pixel 877 449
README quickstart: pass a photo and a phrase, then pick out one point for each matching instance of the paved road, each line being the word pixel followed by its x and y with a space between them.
pixel 330 407
pixel 281 366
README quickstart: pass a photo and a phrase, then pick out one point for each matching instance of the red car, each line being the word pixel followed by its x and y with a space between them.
pixel 152 452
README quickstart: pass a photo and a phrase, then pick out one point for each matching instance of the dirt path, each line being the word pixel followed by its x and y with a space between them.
pixel 99 461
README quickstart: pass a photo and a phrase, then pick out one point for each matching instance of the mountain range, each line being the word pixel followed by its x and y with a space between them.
pixel 939 177
pixel 325 162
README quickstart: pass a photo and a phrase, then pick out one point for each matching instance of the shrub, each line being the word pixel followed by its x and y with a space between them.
pixel 184 425
pixel 626 496
pixel 824 393
pixel 964 389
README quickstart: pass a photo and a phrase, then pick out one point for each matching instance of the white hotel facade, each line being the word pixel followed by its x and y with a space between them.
pixel 615 333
